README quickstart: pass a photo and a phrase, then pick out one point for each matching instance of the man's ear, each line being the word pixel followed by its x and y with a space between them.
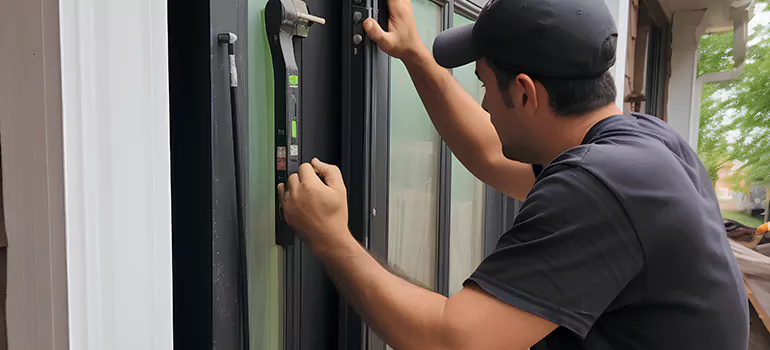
pixel 525 94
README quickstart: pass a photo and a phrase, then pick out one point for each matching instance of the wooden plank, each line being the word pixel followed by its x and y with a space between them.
pixel 763 315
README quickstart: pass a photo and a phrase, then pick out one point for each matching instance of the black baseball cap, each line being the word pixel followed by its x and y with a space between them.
pixel 544 38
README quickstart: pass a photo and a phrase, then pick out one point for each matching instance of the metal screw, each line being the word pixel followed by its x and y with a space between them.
pixel 579 12
pixel 374 212
pixel 357 17
pixel 357 39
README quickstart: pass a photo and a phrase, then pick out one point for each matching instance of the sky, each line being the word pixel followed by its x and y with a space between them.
pixel 761 17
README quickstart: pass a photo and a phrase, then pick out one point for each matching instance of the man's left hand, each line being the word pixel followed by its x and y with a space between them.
pixel 317 209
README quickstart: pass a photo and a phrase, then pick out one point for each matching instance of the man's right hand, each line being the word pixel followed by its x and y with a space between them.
pixel 402 40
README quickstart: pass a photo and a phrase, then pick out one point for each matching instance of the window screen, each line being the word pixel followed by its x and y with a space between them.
pixel 466 249
pixel 414 148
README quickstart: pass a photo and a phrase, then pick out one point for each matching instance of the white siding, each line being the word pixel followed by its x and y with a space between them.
pixel 117 171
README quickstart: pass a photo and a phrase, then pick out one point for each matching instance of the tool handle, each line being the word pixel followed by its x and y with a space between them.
pixel 310 18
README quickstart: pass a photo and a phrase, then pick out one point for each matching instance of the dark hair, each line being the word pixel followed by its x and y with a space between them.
pixel 570 96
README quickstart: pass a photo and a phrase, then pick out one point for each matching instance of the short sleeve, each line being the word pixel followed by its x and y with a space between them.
pixel 537 169
pixel 571 252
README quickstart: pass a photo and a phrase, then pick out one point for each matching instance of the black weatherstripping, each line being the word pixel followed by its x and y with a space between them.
pixel 229 39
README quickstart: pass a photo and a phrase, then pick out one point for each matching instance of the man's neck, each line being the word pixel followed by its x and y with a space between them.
pixel 573 129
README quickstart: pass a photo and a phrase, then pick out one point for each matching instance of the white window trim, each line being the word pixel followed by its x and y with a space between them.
pixel 686 87
pixel 620 11
pixel 117 173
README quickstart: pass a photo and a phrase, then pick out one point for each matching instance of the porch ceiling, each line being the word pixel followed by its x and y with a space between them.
pixel 684 5
pixel 719 10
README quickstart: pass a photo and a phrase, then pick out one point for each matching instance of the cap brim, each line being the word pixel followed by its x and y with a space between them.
pixel 454 47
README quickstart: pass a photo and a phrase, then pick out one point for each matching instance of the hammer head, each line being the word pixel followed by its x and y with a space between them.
pixel 296 17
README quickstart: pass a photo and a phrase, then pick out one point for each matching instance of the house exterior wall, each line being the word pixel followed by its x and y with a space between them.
pixel 33 196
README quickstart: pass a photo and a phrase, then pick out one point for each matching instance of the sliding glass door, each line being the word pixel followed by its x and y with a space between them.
pixel 414 151
pixel 466 249
pixel 415 221
pixel 411 201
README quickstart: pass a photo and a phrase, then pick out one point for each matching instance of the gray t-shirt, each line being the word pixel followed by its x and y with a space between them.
pixel 621 243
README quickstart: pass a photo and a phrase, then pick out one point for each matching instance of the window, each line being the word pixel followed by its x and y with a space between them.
pixel 414 178
pixel 414 149
pixel 657 68
pixel 646 60
pixel 466 249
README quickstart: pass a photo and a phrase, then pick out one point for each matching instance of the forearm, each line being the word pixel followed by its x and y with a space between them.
pixel 465 126
pixel 404 315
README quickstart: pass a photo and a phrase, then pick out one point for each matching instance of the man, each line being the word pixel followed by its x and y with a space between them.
pixel 619 243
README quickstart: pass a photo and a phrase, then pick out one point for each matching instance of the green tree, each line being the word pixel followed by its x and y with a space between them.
pixel 715 53
pixel 753 148
pixel 715 56
pixel 740 108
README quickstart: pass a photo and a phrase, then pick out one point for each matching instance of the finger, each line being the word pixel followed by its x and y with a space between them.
pixel 293 183
pixel 331 174
pixel 307 175
pixel 379 35
pixel 281 192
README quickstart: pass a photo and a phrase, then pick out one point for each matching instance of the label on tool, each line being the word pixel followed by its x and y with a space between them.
pixel 294 150
pixel 294 129
pixel 293 81
pixel 280 158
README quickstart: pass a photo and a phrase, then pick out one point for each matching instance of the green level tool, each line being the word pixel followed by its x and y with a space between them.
pixel 287 20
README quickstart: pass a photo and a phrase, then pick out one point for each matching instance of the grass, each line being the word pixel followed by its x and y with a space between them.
pixel 742 218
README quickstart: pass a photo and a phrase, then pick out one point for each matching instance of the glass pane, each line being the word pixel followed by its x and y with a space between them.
pixel 414 148
pixel 466 75
pixel 265 258
pixel 466 248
